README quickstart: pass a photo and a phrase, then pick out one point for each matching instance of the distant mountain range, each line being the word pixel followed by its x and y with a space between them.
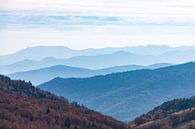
pixel 128 94
pixel 23 106
pixel 41 52
pixel 45 74
pixel 101 61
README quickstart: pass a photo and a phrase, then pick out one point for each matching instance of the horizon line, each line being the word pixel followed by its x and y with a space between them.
pixel 96 48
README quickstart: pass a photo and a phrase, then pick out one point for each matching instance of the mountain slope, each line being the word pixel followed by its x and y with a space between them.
pixel 128 94
pixel 45 74
pixel 23 106
pixel 178 114
pixel 37 53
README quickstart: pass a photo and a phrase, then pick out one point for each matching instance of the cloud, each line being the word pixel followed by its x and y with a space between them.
pixel 95 23
pixel 61 21
pixel 136 8
pixel 97 37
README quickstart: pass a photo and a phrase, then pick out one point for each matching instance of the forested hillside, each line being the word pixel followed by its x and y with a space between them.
pixel 23 106
pixel 127 95
pixel 177 114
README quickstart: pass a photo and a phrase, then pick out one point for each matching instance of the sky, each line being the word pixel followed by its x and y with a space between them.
pixel 80 24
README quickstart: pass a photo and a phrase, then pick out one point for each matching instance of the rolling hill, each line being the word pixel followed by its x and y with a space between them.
pixel 45 74
pixel 23 106
pixel 175 114
pixel 128 94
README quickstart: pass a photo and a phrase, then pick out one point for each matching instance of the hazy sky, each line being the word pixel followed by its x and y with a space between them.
pixel 95 23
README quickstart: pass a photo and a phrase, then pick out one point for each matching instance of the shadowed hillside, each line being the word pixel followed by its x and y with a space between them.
pixel 127 95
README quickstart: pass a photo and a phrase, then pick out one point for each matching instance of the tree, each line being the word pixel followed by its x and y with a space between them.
pixel 67 123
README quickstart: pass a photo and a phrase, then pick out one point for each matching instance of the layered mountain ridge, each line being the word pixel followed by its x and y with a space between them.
pixel 134 92
pixel 47 56
pixel 41 52
pixel 39 76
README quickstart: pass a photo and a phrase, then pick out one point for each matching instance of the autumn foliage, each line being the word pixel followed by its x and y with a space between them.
pixel 23 106
pixel 168 115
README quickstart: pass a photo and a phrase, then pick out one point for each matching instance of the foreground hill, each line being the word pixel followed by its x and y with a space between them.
pixel 127 95
pixel 23 106
pixel 45 74
pixel 177 114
